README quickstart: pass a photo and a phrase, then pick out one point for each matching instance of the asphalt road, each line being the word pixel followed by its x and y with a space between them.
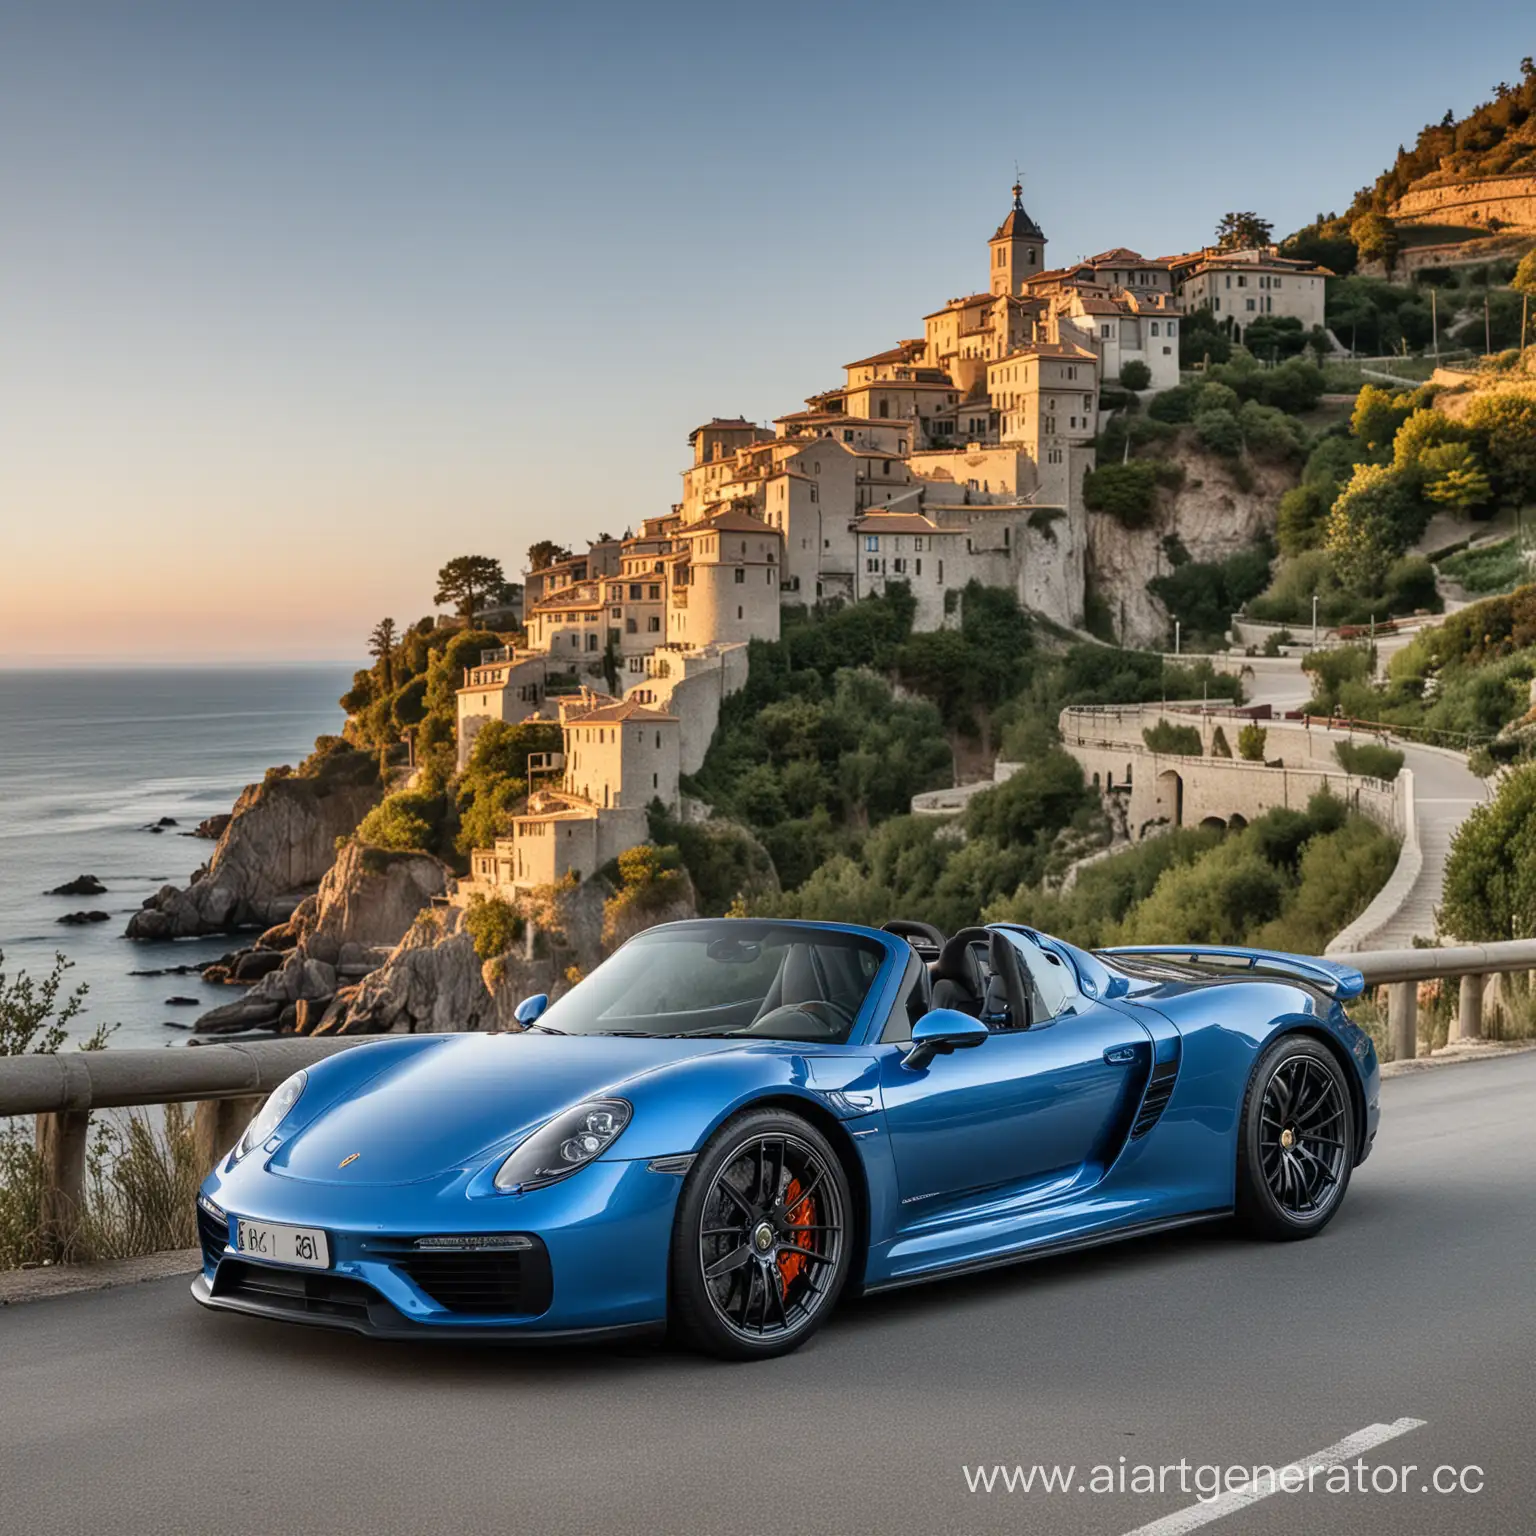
pixel 134 1411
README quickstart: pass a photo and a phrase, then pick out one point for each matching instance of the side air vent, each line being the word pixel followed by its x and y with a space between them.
pixel 1155 1100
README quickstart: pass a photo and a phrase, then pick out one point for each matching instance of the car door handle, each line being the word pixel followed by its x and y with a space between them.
pixel 1118 1055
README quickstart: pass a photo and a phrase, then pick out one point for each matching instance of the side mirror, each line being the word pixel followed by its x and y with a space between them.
pixel 530 1008
pixel 941 1031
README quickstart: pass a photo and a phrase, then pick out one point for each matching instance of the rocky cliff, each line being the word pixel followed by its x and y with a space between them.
pixel 1221 508
pixel 435 981
pixel 280 841
pixel 366 904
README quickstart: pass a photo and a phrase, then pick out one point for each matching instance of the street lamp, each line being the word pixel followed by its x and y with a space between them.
pixel 1176 636
pixel 1314 621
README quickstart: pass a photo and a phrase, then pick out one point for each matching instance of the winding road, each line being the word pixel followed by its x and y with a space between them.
pixel 133 1411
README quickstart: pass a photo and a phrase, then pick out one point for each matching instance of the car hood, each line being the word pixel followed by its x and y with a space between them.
pixel 448 1107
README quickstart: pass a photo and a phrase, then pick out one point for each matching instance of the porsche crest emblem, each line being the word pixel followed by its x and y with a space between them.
pixel 351 1158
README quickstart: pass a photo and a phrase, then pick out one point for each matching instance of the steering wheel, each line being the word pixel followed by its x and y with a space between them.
pixel 829 1017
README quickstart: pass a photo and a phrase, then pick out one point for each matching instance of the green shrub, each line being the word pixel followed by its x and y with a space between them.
pixel 1218 431
pixel 408 820
pixel 1127 492
pixel 1175 405
pixel 1369 759
pixel 1135 374
pixel 1490 875
pixel 1202 597
pixel 1219 744
pixel 1496 567
pixel 409 705
pixel 1175 740
pixel 1250 742
pixel 493 923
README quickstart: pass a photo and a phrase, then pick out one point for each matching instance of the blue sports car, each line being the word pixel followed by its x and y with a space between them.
pixel 730 1122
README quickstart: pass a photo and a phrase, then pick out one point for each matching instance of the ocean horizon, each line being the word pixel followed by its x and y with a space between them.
pixel 92 757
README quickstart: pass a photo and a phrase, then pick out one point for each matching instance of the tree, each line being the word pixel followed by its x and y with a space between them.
pixel 1243 232
pixel 1454 477
pixel 1250 742
pixel 1508 422
pixel 1370 525
pixel 1135 374
pixel 545 554
pixel 1375 237
pixel 1524 280
pixel 381 646
pixel 467 581
pixel 1490 876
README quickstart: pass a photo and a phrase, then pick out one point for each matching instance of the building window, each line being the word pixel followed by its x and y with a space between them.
pixel 1171 330
pixel 631 627
pixel 919 565
pixel 655 590
pixel 653 624
pixel 738 613
pixel 871 566
pixel 871 541
pixel 1250 304
pixel 741 575
pixel 1154 328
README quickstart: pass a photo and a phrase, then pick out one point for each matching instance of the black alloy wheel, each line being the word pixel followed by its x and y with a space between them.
pixel 762 1244
pixel 1297 1140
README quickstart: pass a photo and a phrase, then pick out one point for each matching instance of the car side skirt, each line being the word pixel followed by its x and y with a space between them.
pixel 1047 1250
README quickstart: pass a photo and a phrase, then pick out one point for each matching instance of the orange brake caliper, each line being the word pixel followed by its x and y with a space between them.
pixel 802 1214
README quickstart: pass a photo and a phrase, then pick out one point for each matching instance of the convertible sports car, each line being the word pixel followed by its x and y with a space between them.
pixel 730 1122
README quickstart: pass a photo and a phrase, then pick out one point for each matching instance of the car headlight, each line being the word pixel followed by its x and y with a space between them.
pixel 568 1142
pixel 272 1113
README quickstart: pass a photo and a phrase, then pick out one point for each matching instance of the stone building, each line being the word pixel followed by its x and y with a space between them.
pixel 1239 287
pixel 589 805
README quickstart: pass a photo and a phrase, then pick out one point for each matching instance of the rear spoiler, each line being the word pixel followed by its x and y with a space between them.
pixel 1341 981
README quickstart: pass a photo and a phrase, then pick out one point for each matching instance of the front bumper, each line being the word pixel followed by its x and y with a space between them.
pixel 603 1236
pixel 379 1320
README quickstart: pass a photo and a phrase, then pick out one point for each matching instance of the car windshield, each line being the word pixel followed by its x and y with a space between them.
pixel 730 977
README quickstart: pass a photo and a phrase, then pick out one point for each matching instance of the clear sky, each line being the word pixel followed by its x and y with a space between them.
pixel 297 301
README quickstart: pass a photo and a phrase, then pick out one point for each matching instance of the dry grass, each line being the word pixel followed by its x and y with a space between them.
pixel 1509 1012
pixel 142 1175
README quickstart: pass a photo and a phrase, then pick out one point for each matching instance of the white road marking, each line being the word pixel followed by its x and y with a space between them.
pixel 1229 1503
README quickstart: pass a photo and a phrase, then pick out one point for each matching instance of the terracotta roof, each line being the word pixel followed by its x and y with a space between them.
pixel 902 352
pixel 896 522
pixel 630 709
pixel 724 423
pixel 733 520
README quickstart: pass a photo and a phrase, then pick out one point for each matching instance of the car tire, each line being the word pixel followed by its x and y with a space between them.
pixel 1296 1141
pixel 763 1238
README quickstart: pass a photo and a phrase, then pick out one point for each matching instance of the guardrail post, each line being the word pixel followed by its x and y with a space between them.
pixel 61 1144
pixel 217 1124
pixel 1403 1019
pixel 1469 1010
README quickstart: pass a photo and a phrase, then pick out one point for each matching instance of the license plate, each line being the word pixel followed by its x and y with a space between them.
pixel 304 1246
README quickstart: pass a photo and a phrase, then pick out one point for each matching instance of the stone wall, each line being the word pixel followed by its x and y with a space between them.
pixel 1489 200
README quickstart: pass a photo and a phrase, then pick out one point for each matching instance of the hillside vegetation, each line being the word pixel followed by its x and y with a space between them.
pixel 1496 138
pixel 1368 492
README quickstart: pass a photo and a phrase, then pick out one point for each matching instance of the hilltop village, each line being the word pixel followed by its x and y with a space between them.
pixel 955 456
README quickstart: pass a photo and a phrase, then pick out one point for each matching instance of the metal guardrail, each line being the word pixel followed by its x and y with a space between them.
pixel 80 1081
pixel 227 1082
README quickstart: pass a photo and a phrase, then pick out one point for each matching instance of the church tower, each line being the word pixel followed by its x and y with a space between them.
pixel 1017 249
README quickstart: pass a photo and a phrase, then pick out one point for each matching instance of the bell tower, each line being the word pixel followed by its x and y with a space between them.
pixel 1017 250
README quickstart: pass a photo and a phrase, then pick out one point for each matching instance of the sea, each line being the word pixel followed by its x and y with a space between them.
pixel 90 762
